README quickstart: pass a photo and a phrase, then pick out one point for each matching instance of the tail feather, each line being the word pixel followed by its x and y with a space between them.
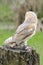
pixel 8 41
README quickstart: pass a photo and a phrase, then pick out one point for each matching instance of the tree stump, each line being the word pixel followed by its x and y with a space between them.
pixel 17 56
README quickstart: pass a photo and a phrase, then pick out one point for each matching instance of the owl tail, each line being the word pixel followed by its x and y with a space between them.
pixel 10 42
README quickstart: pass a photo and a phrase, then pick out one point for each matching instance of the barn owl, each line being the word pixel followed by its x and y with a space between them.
pixel 25 31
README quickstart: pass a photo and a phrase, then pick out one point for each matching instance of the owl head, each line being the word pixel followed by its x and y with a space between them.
pixel 31 17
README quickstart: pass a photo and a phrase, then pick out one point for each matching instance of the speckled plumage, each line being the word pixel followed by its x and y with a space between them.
pixel 25 31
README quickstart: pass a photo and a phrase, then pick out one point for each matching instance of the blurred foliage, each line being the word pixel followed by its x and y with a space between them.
pixel 40 14
pixel 9 8
pixel 4 10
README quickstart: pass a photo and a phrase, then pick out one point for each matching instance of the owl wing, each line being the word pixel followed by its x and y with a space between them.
pixel 21 27
pixel 24 31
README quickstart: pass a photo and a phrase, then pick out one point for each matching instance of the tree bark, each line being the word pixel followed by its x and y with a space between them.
pixel 17 56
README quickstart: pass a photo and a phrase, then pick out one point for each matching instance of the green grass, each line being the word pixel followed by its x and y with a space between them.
pixel 4 34
pixel 36 42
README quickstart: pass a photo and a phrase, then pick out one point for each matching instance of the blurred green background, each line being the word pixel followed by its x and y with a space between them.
pixel 10 18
